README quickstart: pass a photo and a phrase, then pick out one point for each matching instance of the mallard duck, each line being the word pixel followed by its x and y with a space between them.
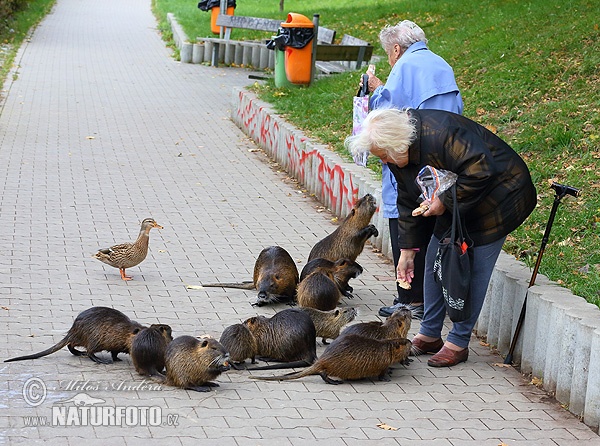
pixel 127 255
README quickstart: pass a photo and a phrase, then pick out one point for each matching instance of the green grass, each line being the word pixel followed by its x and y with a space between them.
pixel 18 28
pixel 529 70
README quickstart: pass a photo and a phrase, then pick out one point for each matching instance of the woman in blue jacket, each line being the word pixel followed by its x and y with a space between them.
pixel 419 79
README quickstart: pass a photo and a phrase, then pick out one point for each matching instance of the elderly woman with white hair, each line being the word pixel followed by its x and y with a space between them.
pixel 495 195
pixel 423 80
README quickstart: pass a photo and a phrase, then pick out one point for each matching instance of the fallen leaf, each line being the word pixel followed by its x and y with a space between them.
pixel 194 287
pixel 161 250
pixel 5 308
pixel 386 427
pixel 90 137
pixel 501 364
pixel 253 150
pixel 538 382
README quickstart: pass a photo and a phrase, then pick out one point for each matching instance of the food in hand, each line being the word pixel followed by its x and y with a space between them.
pixel 423 207
pixel 403 284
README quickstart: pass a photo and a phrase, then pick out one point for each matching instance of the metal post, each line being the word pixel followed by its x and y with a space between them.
pixel 314 48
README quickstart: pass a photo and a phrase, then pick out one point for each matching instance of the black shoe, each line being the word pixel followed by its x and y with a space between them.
pixel 416 310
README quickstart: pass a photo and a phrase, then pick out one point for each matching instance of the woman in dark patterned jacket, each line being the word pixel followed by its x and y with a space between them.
pixel 495 195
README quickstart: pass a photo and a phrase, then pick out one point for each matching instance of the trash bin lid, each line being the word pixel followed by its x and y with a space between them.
pixel 295 20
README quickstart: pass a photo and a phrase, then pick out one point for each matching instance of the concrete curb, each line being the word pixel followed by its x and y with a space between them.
pixel 560 338
pixel 246 53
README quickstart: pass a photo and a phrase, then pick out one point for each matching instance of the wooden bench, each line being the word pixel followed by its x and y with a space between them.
pixel 330 58
pixel 324 35
pixel 349 55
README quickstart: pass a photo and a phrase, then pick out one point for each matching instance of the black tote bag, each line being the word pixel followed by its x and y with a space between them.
pixel 452 267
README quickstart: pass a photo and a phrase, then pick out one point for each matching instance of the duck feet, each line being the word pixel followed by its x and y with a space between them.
pixel 123 275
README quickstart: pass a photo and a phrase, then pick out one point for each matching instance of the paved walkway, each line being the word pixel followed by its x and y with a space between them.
pixel 100 129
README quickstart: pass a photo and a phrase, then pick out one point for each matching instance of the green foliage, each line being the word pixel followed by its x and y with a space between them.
pixel 17 19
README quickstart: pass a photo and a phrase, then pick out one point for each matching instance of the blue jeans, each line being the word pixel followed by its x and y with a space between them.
pixel 484 259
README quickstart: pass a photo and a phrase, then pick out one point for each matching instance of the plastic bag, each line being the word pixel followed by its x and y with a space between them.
pixel 434 181
pixel 360 110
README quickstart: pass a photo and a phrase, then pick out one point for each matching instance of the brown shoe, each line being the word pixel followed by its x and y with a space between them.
pixel 447 358
pixel 421 347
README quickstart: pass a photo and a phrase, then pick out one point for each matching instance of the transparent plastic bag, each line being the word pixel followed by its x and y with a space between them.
pixel 434 181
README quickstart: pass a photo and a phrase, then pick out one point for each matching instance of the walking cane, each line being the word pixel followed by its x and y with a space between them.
pixel 561 190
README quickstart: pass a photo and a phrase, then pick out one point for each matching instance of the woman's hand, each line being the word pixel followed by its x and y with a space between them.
pixel 436 207
pixel 374 81
pixel 405 270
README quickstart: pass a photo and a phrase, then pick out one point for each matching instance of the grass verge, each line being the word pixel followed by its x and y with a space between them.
pixel 19 27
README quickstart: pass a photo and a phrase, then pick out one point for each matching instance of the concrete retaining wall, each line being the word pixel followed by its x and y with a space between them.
pixel 232 52
pixel 560 338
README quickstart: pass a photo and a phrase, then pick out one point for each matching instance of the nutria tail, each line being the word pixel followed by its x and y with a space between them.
pixel 283 365
pixel 246 285
pixel 312 370
pixel 46 352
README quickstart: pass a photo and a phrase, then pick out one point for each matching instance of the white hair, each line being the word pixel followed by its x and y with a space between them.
pixel 387 129
pixel 405 33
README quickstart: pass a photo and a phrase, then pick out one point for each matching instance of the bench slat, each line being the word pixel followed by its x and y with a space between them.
pixel 343 52
pixel 242 22
pixel 325 35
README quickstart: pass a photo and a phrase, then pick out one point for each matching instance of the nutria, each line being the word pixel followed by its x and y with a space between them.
pixel 343 270
pixel 319 290
pixel 395 326
pixel 96 329
pixel 192 363
pixel 275 277
pixel 148 350
pixel 328 324
pixel 289 336
pixel 239 341
pixel 353 357
pixel 349 239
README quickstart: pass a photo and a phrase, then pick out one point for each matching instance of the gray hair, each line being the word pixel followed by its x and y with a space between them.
pixel 388 129
pixel 405 33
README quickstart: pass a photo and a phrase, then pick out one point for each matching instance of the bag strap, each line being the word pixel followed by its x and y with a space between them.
pixel 457 232
pixel 364 90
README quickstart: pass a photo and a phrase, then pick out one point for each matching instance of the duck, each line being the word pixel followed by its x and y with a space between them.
pixel 128 255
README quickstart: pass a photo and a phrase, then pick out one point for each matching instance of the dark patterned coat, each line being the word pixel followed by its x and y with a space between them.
pixel 494 189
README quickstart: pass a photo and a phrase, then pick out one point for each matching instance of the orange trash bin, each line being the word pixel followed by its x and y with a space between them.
pixel 299 32
pixel 214 12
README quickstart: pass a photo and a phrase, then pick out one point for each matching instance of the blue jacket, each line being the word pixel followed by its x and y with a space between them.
pixel 419 79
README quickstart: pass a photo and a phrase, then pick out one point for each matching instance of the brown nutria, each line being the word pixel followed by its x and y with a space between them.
pixel 395 326
pixel 343 270
pixel 193 363
pixel 239 341
pixel 349 239
pixel 275 277
pixel 353 357
pixel 148 350
pixel 96 329
pixel 328 324
pixel 319 290
pixel 288 336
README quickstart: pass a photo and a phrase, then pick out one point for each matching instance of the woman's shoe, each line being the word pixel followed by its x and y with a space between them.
pixel 447 357
pixel 420 347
